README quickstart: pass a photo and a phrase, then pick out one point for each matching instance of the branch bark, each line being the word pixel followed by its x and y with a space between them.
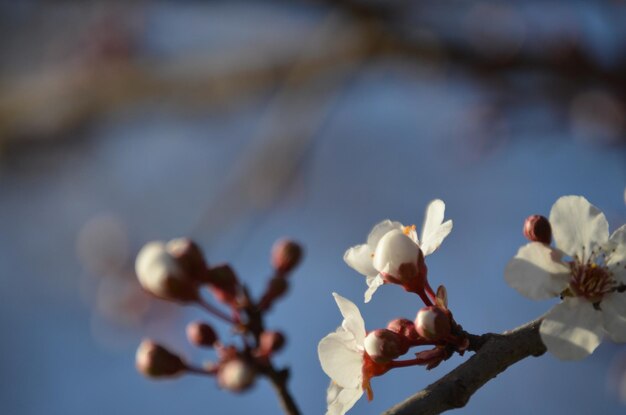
pixel 497 353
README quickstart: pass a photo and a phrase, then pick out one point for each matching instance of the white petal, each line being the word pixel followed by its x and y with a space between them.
pixel 577 226
pixel 340 400
pixel 380 230
pixel 572 329
pixel 434 231
pixel 393 250
pixel 373 283
pixel 360 258
pixel 614 312
pixel 537 272
pixel 340 362
pixel 617 259
pixel 352 319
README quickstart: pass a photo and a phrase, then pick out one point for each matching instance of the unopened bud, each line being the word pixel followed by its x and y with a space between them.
pixel 236 375
pixel 270 342
pixel 224 284
pixel 276 288
pixel 155 361
pixel 404 327
pixel 397 255
pixel 160 274
pixel 286 255
pixel 537 229
pixel 384 345
pixel 432 323
pixel 201 334
pixel 189 257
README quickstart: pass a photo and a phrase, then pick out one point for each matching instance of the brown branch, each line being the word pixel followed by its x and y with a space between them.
pixel 455 389
pixel 278 379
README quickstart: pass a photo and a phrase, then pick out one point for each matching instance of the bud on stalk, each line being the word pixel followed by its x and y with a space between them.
pixel 537 229
pixel 201 334
pixel 236 375
pixel 404 327
pixel 270 342
pixel 384 345
pixel 155 361
pixel 286 255
pixel 433 323
pixel 160 274
pixel 189 257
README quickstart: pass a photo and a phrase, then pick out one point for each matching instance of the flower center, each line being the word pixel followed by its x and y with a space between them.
pixel 408 229
pixel 591 280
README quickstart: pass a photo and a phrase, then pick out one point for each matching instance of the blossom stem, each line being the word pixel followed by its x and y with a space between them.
pixel 199 370
pixel 278 379
pixel 424 298
pixel 405 363
pixel 211 309
pixel 430 292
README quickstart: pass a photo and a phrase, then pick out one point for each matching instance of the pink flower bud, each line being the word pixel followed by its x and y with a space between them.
pixel 537 229
pixel 384 345
pixel 224 284
pixel 155 361
pixel 189 258
pixel 160 274
pixel 432 323
pixel 236 375
pixel 201 334
pixel 270 342
pixel 396 250
pixel 404 327
pixel 286 255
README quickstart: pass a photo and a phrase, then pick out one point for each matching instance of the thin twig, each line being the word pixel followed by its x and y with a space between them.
pixel 494 355
pixel 278 379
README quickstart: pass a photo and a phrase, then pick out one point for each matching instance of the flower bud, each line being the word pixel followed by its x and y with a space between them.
pixel 397 255
pixel 201 334
pixel 404 327
pixel 224 284
pixel 286 255
pixel 270 342
pixel 432 323
pixel 155 361
pixel 236 375
pixel 160 274
pixel 537 229
pixel 189 258
pixel 384 345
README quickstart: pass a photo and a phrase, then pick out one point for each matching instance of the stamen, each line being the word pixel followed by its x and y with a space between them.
pixel 407 229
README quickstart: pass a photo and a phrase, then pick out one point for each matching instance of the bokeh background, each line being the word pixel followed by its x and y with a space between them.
pixel 237 123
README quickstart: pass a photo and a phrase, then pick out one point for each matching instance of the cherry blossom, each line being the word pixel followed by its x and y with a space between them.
pixel 344 359
pixel 391 245
pixel 586 270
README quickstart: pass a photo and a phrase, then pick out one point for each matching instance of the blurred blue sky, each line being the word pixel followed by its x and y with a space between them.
pixel 394 137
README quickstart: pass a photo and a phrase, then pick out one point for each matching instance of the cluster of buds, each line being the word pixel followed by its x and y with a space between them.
pixel 433 326
pixel 177 271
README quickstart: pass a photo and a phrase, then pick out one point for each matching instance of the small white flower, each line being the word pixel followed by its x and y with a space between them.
pixel 342 357
pixel 390 244
pixel 585 270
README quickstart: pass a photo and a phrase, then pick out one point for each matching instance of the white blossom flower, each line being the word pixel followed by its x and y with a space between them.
pixel 345 360
pixel 391 244
pixel 586 270
pixel 341 355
